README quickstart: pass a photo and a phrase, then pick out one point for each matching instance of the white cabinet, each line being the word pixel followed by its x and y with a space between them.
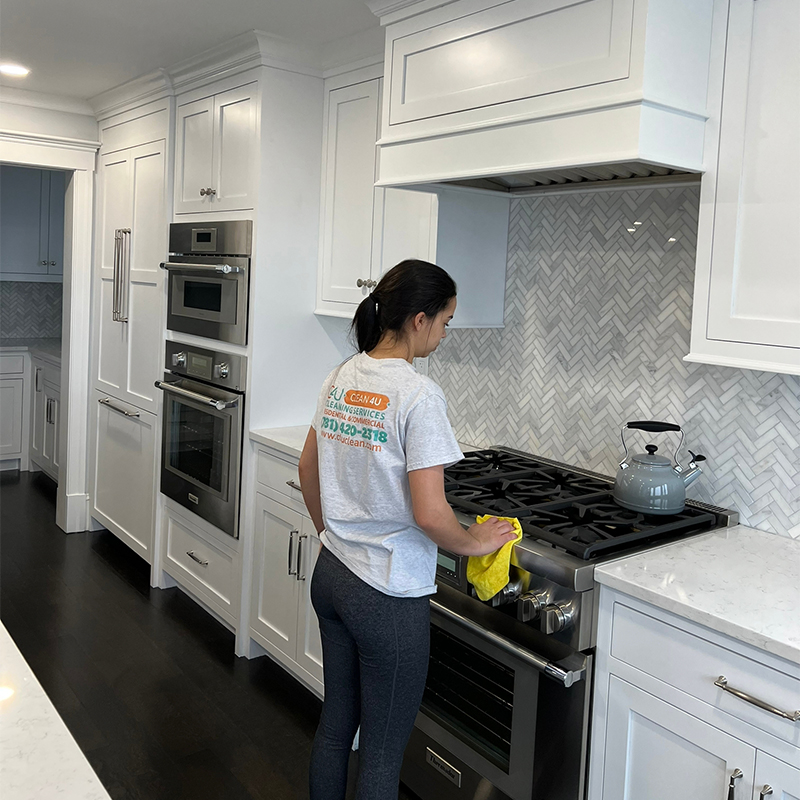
pixel 282 618
pixel 11 403
pixel 216 152
pixel 131 243
pixel 366 230
pixel 45 416
pixel 31 224
pixel 782 779
pixel 658 752
pixel 747 285
pixel 663 725
pixel 124 462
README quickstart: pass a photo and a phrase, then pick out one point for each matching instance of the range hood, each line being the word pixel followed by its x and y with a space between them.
pixel 510 96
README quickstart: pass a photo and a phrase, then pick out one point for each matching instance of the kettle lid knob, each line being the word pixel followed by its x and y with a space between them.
pixel 651 448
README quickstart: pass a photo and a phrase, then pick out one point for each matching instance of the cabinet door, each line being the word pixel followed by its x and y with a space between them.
pixel 405 227
pixel 275 586
pixel 235 161
pixel 143 290
pixel 194 149
pixel 123 483
pixel 20 222
pixel 309 645
pixel 755 268
pixel 349 197
pixel 50 443
pixel 783 779
pixel 11 392
pixel 38 414
pixel 55 222
pixel 658 752
pixel 114 212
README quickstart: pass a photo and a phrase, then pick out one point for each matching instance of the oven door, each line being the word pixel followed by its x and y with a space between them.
pixel 208 297
pixel 201 449
pixel 504 716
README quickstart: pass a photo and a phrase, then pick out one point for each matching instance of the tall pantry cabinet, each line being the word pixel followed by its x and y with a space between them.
pixel 131 241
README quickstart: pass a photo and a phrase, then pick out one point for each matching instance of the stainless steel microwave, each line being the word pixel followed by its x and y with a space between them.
pixel 209 279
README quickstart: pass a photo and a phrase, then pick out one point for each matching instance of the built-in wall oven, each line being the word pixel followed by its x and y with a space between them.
pixel 201 454
pixel 209 277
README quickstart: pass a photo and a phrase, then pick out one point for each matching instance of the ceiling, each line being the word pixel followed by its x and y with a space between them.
pixel 79 48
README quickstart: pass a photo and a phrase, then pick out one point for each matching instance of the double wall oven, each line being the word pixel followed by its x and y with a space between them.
pixel 506 710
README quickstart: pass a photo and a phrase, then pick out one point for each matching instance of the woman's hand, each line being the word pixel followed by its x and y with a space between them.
pixel 491 535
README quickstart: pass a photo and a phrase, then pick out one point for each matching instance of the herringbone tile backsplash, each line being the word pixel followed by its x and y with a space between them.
pixel 596 327
pixel 30 310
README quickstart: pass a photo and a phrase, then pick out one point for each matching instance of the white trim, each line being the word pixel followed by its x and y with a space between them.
pixel 145 89
pixel 77 156
pixel 23 97
pixel 743 363
pixel 391 11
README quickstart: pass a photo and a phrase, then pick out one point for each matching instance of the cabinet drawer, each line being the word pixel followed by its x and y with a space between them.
pixel 12 365
pixel 693 664
pixel 207 569
pixel 276 473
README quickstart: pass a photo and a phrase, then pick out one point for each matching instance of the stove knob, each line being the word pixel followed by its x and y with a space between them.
pixel 530 605
pixel 179 359
pixel 221 370
pixel 555 618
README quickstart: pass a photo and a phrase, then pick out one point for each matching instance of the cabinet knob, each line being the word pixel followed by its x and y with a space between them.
pixel 368 283
pixel 209 192
pixel 52 263
pixel 43 263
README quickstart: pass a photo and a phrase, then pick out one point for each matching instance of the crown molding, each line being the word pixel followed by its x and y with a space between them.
pixel 144 89
pixel 52 102
pixel 394 10
pixel 62 142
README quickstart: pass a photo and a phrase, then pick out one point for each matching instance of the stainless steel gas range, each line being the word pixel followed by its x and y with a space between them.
pixel 506 709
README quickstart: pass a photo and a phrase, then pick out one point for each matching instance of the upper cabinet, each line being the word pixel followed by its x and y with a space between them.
pixel 747 290
pixel 216 152
pixel 366 230
pixel 479 88
pixel 31 224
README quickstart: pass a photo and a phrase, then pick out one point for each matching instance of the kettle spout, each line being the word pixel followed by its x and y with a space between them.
pixel 694 471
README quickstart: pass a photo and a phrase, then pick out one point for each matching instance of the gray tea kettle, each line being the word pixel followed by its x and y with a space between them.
pixel 652 484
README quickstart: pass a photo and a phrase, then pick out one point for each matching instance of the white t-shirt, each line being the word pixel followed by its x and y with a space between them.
pixel 376 420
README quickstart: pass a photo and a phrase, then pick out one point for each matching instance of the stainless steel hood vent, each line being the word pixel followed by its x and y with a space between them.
pixel 601 177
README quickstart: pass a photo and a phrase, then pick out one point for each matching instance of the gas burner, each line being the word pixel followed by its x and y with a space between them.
pixel 482 463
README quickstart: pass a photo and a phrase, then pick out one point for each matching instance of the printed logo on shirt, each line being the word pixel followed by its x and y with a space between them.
pixel 355 418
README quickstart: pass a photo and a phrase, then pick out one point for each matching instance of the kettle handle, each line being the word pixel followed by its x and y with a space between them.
pixel 651 426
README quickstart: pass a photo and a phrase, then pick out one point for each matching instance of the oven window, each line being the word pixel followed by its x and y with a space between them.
pixel 471 695
pixel 198 445
pixel 202 295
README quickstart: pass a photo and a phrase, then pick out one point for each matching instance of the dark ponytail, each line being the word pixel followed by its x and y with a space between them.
pixel 405 290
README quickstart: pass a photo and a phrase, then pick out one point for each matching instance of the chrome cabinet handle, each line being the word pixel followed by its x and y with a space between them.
pixel 299 576
pixel 207 192
pixel 115 289
pixel 225 269
pixel 294 485
pixel 36 380
pixel 765 792
pixel 735 776
pixel 220 405
pixel 47 411
pixel 722 682
pixel 291 547
pixel 368 283
pixel 201 561
pixel 124 273
pixel 106 401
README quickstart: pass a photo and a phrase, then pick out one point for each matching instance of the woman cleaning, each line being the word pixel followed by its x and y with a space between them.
pixel 372 472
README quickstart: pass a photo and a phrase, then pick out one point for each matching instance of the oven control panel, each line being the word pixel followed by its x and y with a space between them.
pixel 226 370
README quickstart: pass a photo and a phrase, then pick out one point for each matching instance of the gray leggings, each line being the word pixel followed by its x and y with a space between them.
pixel 375 653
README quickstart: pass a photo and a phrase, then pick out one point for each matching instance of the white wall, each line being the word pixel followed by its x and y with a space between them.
pixel 31 112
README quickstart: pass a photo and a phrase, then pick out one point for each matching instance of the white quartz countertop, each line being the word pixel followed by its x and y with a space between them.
pixel 47 347
pixel 739 581
pixel 39 759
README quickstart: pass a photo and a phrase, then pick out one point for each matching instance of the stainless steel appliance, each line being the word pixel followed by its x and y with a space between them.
pixel 505 714
pixel 209 276
pixel 201 453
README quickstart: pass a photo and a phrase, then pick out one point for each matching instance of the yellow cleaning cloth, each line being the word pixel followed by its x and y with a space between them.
pixel 489 573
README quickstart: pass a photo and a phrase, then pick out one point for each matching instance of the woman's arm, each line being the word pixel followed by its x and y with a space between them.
pixel 309 479
pixel 434 515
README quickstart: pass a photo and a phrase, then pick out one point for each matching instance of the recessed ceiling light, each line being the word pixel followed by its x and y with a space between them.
pixel 5 692
pixel 16 70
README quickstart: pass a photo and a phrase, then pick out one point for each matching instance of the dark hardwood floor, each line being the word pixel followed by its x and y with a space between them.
pixel 145 680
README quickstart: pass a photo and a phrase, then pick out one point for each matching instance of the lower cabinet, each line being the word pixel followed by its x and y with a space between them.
pixel 282 618
pixel 45 415
pixel 663 726
pixel 11 401
pixel 124 461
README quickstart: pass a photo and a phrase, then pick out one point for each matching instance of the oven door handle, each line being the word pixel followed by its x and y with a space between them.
pixel 225 269
pixel 220 405
pixel 565 676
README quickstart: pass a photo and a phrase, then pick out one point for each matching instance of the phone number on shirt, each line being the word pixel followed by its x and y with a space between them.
pixel 353 430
